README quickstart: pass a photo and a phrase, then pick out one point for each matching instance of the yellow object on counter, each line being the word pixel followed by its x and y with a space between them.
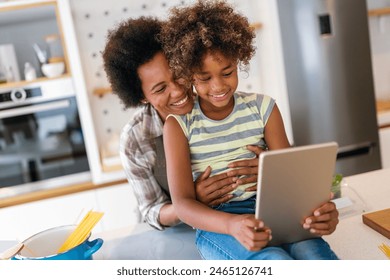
pixel 82 231
pixel 385 249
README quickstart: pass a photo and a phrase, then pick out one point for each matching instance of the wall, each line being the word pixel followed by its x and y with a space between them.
pixel 92 21
pixel 380 48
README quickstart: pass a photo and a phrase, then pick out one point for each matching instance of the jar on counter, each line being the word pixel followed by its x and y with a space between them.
pixel 3 76
pixel 29 72
pixel 56 53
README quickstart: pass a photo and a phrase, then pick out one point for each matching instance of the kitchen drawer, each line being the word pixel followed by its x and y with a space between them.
pixel 116 202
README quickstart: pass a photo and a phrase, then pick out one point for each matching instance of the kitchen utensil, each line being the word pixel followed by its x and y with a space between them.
pixel 9 253
pixel 44 246
pixel 29 72
pixel 52 70
pixel 53 42
pixel 82 231
pixel 41 54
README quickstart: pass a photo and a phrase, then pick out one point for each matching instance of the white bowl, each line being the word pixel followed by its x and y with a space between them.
pixel 52 70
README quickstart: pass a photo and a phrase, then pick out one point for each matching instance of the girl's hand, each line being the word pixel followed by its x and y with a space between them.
pixel 324 220
pixel 247 168
pixel 249 231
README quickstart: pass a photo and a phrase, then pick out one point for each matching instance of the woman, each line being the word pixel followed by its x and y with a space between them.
pixel 139 74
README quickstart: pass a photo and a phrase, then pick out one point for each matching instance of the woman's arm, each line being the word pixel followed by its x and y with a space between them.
pixel 139 171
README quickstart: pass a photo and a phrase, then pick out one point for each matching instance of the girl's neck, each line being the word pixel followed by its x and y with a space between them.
pixel 216 113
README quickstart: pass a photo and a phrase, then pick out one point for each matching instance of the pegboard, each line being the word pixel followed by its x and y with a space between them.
pixel 93 19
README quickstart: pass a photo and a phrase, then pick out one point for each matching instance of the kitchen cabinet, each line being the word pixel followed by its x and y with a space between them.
pixel 47 138
pixel 379 12
pixel 24 28
pixel 117 203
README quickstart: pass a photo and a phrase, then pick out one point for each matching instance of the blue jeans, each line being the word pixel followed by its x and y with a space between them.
pixel 216 246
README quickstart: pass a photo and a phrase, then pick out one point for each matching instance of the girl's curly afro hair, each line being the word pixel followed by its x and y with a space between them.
pixel 192 31
pixel 131 44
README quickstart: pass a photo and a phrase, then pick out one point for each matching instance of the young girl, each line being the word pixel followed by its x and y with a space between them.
pixel 205 44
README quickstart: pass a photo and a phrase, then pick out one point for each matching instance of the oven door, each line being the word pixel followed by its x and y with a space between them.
pixel 41 141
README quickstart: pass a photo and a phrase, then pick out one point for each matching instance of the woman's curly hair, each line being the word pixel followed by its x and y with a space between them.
pixel 131 44
pixel 192 31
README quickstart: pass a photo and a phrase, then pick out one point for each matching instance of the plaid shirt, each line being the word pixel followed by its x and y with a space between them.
pixel 141 158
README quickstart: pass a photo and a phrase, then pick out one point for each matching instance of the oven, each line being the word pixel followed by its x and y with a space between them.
pixel 41 139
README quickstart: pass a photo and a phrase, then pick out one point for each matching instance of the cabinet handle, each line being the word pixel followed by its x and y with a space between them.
pixel 355 150
pixel 34 109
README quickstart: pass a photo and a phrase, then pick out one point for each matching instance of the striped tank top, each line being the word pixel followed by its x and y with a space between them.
pixel 216 143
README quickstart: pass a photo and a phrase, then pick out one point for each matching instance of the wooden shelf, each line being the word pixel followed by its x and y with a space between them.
pixel 257 25
pixel 382 105
pixel 102 91
pixel 55 192
pixel 379 12
pixel 26 83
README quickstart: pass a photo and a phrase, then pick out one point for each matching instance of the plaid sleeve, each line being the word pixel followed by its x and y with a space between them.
pixel 138 159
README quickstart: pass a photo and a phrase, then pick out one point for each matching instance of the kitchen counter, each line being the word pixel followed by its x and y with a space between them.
pixel 352 239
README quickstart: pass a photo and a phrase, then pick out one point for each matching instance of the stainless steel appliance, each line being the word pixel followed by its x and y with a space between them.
pixel 329 77
pixel 41 139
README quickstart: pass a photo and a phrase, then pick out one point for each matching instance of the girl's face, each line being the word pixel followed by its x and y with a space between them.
pixel 161 91
pixel 215 84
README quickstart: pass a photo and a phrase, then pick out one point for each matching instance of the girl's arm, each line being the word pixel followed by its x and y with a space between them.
pixel 274 132
pixel 181 184
pixel 196 213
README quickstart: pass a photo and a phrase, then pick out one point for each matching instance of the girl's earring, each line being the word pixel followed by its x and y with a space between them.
pixel 144 101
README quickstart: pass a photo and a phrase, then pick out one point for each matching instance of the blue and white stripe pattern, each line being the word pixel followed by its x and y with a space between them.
pixel 217 143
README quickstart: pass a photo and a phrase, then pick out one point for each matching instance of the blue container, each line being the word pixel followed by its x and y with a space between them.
pixel 44 246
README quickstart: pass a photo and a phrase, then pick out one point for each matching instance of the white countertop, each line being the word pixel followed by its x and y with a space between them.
pixel 352 239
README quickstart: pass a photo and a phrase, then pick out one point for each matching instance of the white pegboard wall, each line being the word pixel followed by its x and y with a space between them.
pixel 93 19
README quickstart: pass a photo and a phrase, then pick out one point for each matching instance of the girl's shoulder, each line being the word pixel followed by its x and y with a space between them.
pixel 249 97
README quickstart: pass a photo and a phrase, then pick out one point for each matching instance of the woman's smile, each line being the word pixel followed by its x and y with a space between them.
pixel 181 101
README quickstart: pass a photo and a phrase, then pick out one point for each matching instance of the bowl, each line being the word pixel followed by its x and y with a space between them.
pixel 52 70
pixel 45 244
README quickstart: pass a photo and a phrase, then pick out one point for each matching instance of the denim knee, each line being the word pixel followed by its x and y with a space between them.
pixel 311 249
pixel 215 246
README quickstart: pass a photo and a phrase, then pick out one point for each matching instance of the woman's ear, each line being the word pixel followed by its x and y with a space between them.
pixel 144 101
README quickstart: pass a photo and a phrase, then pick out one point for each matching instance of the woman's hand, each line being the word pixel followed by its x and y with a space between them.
pixel 324 220
pixel 248 168
pixel 249 231
pixel 215 190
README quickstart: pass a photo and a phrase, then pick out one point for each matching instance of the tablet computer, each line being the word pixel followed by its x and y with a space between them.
pixel 292 183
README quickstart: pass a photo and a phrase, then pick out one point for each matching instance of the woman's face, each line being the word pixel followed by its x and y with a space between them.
pixel 161 91
pixel 216 83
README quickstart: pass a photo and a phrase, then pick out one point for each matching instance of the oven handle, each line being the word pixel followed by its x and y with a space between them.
pixel 34 109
